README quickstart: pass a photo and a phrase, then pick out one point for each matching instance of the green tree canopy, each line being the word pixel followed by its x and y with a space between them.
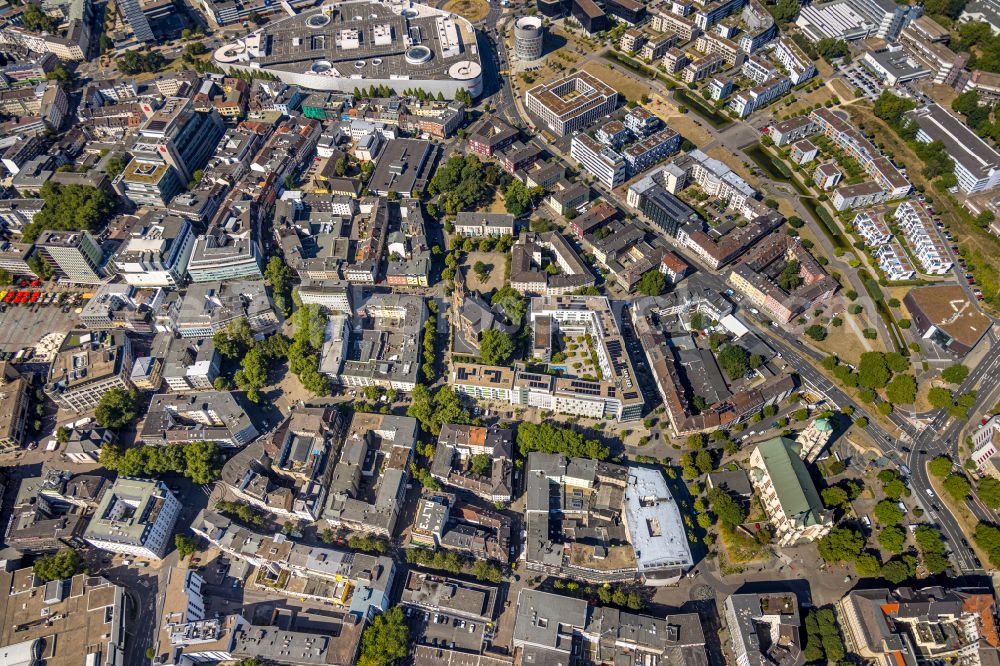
pixel 652 283
pixel 955 374
pixel 549 438
pixel 893 539
pixel 58 566
pixel 842 544
pixel 729 511
pixel 496 347
pixel 940 466
pixel 386 640
pixel 116 408
pixel 888 513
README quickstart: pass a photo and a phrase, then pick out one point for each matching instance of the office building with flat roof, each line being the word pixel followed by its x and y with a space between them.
pixel 571 103
pixel 65 622
pixel 87 366
pixel 75 256
pixel 135 517
pixel 764 628
pixel 945 315
pixel 156 251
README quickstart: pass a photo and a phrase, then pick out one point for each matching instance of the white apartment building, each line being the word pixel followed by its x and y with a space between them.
pixel 749 101
pixel 874 231
pixel 135 517
pixel 600 161
pixel 922 238
pixel 977 164
pixel 893 261
pixel 799 65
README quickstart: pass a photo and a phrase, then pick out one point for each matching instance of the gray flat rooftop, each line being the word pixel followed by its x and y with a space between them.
pixel 654 522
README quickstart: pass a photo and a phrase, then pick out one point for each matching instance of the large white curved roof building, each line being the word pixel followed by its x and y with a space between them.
pixel 361 43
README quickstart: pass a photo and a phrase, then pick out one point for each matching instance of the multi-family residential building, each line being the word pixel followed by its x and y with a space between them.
pixel 655 47
pixel 648 151
pixel 189 364
pixel 615 393
pixel 571 103
pixel 15 397
pixel 787 493
pixel 602 162
pixel 977 164
pixel 41 618
pixel 922 238
pixel 391 439
pixel 799 66
pixel 477 459
pixel 135 517
pixel 752 277
pixel 893 626
pixel 156 251
pixel 894 262
pixel 872 229
pixel 377 345
pixel 632 40
pixel 753 620
pixel 206 416
pixel 208 307
pixel 803 152
pixel 793 129
pixel 827 176
pixel 87 366
pixel 702 68
pixel 747 102
pixel 674 60
pixel 528 272
pixel 288 472
pixel 835 125
pixel 549 628
pixel 668 21
pixel 122 306
pixel 491 135
pixel 14 258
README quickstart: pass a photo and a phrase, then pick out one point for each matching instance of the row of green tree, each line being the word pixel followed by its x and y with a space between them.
pixel 198 461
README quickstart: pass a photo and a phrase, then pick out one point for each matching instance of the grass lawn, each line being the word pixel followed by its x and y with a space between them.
pixel 626 86
pixel 473 10
pixel 495 278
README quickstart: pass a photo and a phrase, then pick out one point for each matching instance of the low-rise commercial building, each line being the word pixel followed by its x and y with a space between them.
pixel 944 315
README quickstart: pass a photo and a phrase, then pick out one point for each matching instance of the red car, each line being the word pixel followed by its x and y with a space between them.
pixel 35 283
pixel 8 297
pixel 35 295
